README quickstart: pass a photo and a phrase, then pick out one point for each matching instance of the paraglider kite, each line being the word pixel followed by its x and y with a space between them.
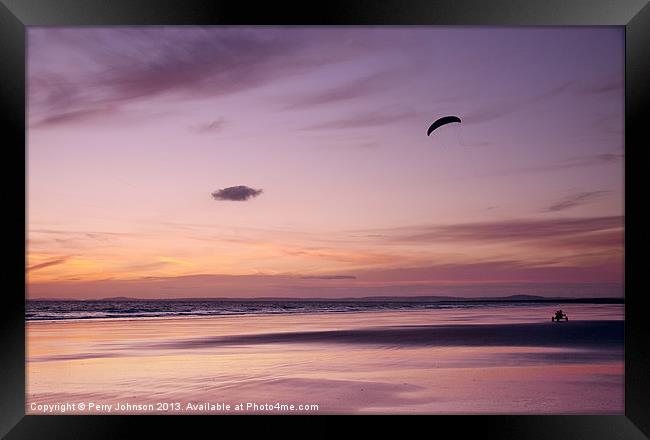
pixel 442 121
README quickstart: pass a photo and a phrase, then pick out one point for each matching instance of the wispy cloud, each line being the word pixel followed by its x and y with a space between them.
pixel 356 88
pixel 576 200
pixel 148 266
pixel 573 162
pixel 355 257
pixel 70 237
pixel 496 278
pixel 330 277
pixel 48 263
pixel 370 119
pixel 596 159
pixel 506 106
pixel 209 127
pixel 114 67
pixel 486 272
pixel 97 235
pixel 569 163
pixel 605 85
pixel 86 114
pixel 510 230
pixel 586 241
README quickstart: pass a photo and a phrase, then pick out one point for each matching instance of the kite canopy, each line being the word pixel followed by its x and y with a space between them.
pixel 442 121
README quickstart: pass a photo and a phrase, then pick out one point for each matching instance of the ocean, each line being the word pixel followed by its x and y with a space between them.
pixel 60 310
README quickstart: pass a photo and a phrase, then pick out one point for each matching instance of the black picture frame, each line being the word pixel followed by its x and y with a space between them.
pixel 634 15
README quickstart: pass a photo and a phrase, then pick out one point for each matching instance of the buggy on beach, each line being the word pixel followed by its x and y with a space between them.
pixel 559 315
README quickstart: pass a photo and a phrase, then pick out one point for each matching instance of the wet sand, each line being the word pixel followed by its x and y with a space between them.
pixel 425 362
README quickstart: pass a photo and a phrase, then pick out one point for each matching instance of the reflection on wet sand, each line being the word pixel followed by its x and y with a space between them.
pixel 459 361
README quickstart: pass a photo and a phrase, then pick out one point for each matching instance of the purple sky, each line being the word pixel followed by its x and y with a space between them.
pixel 136 136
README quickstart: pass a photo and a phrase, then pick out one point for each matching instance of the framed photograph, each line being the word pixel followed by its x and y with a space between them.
pixel 405 208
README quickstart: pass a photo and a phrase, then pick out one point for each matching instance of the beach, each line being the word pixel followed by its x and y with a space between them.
pixel 480 360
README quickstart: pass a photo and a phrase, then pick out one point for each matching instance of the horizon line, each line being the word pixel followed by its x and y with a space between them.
pixel 440 298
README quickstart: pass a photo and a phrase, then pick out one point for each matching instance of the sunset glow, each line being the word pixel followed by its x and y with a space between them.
pixel 132 130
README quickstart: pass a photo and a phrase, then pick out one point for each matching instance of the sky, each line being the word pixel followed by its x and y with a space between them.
pixel 171 162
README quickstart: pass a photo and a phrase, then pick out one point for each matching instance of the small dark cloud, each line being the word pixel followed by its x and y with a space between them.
pixel 209 127
pixel 576 200
pixel 236 193
pixel 330 277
